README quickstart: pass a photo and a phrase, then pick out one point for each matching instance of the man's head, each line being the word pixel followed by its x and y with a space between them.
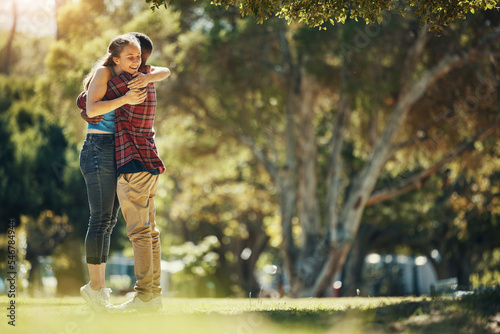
pixel 146 45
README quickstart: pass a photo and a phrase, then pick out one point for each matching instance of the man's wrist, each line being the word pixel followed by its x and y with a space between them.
pixel 125 99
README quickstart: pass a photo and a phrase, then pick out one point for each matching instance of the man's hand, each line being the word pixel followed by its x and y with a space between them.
pixel 136 96
pixel 140 80
pixel 91 120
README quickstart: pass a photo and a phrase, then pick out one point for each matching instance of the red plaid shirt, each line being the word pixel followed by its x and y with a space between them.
pixel 134 133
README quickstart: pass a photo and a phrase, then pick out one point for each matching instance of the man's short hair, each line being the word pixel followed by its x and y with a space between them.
pixel 145 41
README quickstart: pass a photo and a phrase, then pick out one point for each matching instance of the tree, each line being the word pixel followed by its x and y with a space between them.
pixel 34 188
pixel 344 223
pixel 232 205
pixel 465 217
pixel 274 94
pixel 59 4
pixel 451 220
pixel 315 13
pixel 312 128
pixel 215 188
pixel 7 51
pixel 206 216
pixel 42 187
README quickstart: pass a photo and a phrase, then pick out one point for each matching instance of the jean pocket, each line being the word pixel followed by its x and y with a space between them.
pixel 84 156
pixel 88 159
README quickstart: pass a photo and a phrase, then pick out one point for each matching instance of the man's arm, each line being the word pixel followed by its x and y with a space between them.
pixel 97 90
pixel 92 120
pixel 120 85
pixel 141 80
pixel 81 102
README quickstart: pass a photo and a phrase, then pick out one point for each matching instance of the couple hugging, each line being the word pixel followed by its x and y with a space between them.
pixel 120 164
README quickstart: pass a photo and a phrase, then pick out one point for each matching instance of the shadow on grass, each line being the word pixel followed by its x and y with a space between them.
pixel 474 314
pixel 306 318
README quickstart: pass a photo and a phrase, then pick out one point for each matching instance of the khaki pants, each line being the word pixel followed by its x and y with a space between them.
pixel 136 194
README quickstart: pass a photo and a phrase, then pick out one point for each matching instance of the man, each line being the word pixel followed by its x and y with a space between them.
pixel 138 169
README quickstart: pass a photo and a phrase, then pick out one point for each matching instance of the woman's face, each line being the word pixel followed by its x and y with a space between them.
pixel 130 59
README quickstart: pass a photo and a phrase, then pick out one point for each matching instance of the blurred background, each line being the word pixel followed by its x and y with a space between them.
pixel 242 170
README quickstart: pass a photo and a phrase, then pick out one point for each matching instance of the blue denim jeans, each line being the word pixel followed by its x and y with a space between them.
pixel 98 166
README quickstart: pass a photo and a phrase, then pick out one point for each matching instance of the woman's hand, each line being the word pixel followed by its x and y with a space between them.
pixel 136 96
pixel 140 80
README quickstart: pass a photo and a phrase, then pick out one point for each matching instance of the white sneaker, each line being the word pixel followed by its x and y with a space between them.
pixel 106 294
pixel 157 302
pixel 136 304
pixel 98 300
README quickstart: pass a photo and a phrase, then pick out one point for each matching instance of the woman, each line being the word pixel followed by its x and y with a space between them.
pixel 97 160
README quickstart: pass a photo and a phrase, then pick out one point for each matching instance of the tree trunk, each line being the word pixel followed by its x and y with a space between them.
pixel 355 261
pixel 256 242
pixel 69 267
pixel 343 234
pixel 8 47
pixel 297 187
pixel 307 157
pixel 286 177
pixel 35 277
pixel 307 266
pixel 59 4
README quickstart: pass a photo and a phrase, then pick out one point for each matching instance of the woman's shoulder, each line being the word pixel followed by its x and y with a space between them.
pixel 103 73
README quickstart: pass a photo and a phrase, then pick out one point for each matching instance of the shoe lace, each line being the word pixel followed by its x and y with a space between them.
pixel 103 296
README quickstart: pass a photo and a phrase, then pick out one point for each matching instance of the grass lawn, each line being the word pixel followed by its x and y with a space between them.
pixel 71 315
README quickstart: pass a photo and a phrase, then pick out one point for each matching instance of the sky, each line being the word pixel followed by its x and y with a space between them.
pixel 35 17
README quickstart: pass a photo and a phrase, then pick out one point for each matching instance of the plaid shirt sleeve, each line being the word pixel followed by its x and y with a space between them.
pixel 81 100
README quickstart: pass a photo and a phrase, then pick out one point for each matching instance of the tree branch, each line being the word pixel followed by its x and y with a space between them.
pixel 421 133
pixel 363 185
pixel 412 58
pixel 248 141
pixel 8 46
pixel 418 180
pixel 270 167
pixel 365 182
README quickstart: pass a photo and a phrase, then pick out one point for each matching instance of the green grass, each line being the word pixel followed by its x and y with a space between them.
pixel 70 315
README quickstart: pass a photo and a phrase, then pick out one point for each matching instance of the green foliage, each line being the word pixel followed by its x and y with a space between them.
pixel 215 189
pixel 32 145
pixel 487 271
pixel 34 188
pixel 227 92
pixel 199 263
pixel 46 233
pixel 238 69
pixel 484 301
pixel 437 13
pixel 75 20
pixel 454 213
pixel 199 260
